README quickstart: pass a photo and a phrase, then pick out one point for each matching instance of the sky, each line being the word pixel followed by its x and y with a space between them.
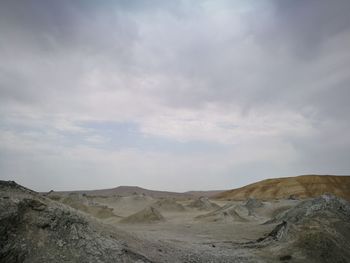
pixel 172 95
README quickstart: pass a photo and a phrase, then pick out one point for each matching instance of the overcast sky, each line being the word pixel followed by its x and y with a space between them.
pixel 172 95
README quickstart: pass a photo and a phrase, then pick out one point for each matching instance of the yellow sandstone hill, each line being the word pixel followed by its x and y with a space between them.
pixel 303 186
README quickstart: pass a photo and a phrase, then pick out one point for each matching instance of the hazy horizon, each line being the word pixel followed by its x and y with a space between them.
pixel 189 190
pixel 172 95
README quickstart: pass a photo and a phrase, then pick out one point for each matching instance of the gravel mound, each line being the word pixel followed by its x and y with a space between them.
pixel 35 229
pixel 203 203
pixel 145 216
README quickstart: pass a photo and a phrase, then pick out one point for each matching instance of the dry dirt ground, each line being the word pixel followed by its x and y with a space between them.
pixel 139 228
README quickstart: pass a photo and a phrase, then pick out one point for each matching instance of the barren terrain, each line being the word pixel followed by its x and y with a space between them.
pixel 72 227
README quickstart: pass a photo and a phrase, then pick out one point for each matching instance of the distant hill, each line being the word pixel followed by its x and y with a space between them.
pixel 204 193
pixel 135 190
pixel 303 186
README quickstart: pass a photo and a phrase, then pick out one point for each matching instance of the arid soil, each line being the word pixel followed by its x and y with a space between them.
pixel 77 227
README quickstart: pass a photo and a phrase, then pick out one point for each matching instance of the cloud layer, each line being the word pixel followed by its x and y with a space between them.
pixel 172 94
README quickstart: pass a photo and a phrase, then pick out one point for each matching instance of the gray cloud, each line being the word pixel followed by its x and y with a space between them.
pixel 302 26
pixel 267 80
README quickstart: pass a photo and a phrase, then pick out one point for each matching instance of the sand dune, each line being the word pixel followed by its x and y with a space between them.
pixel 305 186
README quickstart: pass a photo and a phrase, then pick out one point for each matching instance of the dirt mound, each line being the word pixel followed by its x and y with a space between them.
pixel 203 203
pixel 35 229
pixel 125 205
pixel 306 186
pixel 74 198
pixel 83 203
pixel 227 213
pixel 101 211
pixel 147 215
pixel 54 197
pixel 317 229
pixel 252 205
pixel 168 205
pixel 325 206
pixel 6 186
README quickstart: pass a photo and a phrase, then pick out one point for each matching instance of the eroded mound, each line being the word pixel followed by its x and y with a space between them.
pixel 125 205
pixel 147 215
pixel 203 203
pixel 317 229
pixel 82 203
pixel 36 229
pixel 252 205
pixel 168 205
pixel 325 206
pixel 228 213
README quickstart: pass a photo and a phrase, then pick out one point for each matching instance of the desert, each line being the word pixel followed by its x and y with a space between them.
pixel 145 226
